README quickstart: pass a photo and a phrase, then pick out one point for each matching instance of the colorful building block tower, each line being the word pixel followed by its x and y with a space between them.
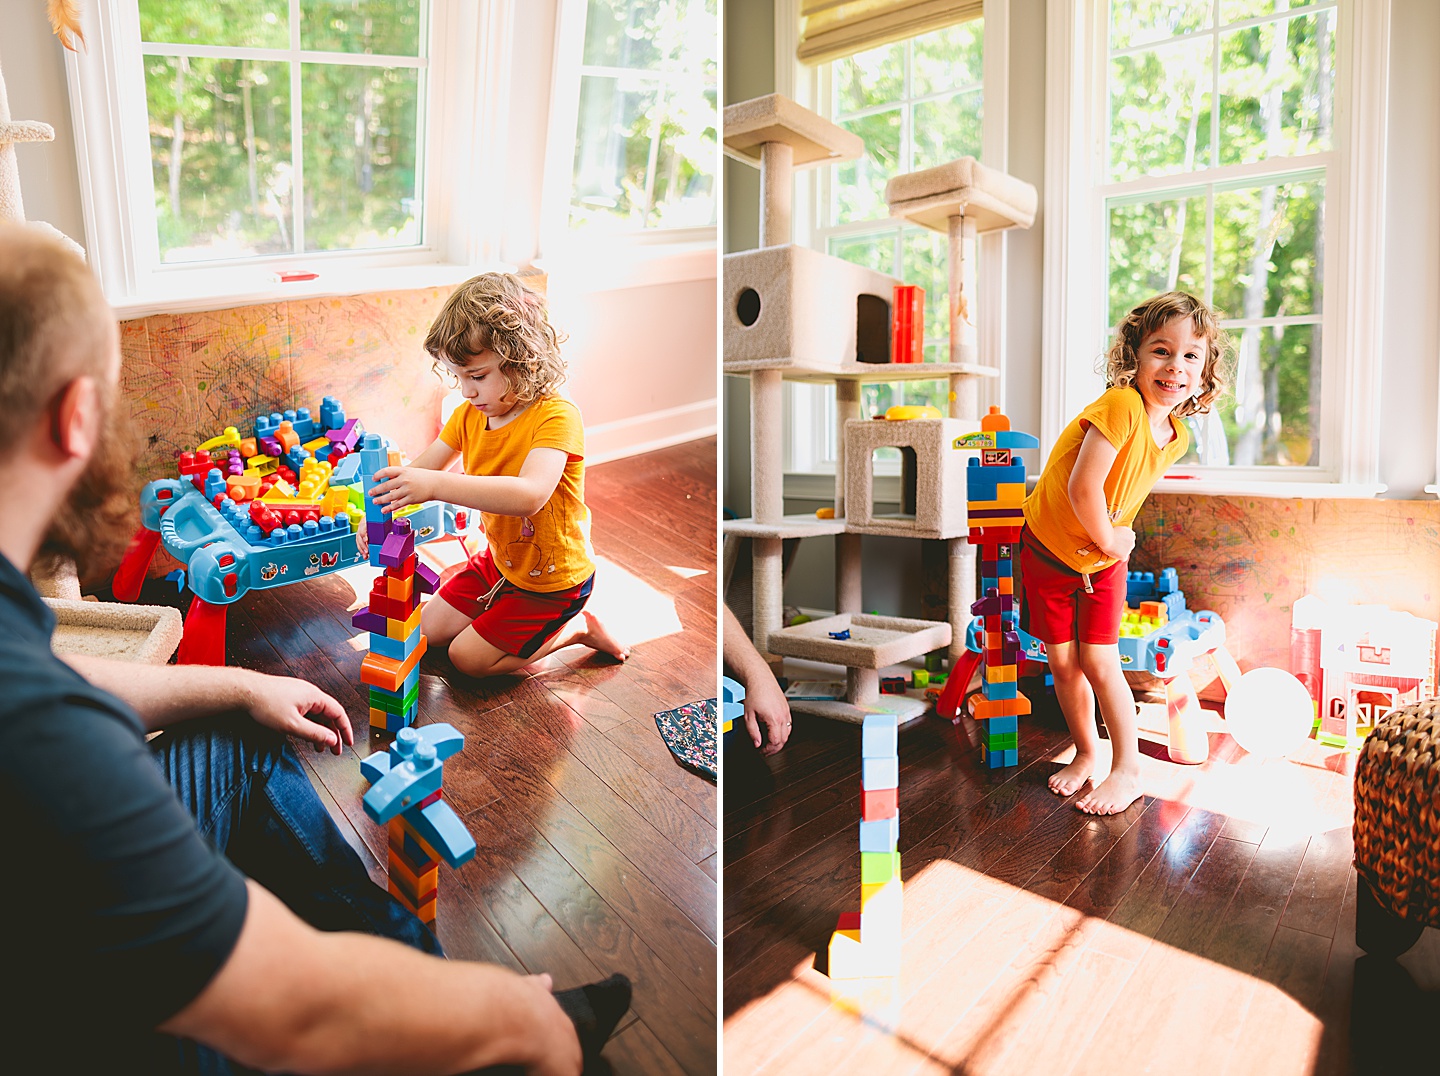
pixel 866 944
pixel 995 489
pixel 404 797
pixel 732 706
pixel 392 617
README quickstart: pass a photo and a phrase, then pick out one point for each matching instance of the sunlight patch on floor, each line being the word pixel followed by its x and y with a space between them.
pixel 1299 795
pixel 687 573
pixel 998 980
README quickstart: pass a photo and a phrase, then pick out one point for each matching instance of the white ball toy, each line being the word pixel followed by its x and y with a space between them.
pixel 1269 712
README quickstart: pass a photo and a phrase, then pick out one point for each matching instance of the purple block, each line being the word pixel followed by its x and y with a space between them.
pixel 397 549
pixel 377 532
pixel 270 446
pixel 365 620
pixel 427 579
pixel 347 434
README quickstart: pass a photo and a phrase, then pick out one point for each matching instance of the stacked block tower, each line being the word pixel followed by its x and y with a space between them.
pixel 732 706
pixel 866 944
pixel 392 668
pixel 404 797
pixel 995 489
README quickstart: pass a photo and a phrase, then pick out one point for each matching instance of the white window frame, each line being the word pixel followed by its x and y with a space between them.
pixel 1074 255
pixel 807 409
pixel 467 84
pixel 624 259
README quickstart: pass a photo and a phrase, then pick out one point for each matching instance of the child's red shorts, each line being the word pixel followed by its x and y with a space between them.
pixel 512 620
pixel 1060 608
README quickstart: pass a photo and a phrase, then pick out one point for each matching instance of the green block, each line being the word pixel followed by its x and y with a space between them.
pixel 919 678
pixel 934 661
pixel 379 700
pixel 877 868
pixel 1002 741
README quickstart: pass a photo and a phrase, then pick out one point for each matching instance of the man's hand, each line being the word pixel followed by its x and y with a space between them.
pixel 397 487
pixel 556 1044
pixel 766 704
pixel 298 708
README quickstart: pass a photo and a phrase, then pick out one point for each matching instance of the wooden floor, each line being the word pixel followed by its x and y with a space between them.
pixel 597 852
pixel 1209 929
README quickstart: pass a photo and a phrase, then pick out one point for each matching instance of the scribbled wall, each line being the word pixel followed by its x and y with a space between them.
pixel 187 376
pixel 1249 558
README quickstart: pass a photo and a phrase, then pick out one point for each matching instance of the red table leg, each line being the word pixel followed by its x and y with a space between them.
pixel 131 574
pixel 204 640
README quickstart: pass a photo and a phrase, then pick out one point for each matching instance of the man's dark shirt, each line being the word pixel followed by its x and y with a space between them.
pixel 117 911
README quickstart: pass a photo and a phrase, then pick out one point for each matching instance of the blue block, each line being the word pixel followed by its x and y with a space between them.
pixel 732 706
pixel 882 835
pixel 440 827
pixel 880 737
pixel 879 773
pixel 1015 439
pixel 332 414
pixel 1001 691
pixel 1002 725
pixel 399 649
pixel 1005 569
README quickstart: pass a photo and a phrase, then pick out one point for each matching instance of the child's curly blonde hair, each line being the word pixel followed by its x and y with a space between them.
pixel 496 312
pixel 1122 361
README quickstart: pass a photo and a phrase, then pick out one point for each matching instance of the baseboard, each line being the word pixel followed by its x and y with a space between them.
pixel 631 436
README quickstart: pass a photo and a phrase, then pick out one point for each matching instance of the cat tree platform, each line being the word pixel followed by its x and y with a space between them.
pixel 775 119
pixel 793 369
pixel 802 525
pixel 990 199
pixel 147 634
pixel 875 642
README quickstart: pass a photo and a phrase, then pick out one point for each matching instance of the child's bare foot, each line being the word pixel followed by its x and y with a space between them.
pixel 597 637
pixel 1067 781
pixel 1112 795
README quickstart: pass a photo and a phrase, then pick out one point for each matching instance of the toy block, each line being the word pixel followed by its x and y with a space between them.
pixel 999 759
pixel 405 569
pixel 877 868
pixel 243 487
pixel 1001 690
pixel 427 579
pixel 881 910
pixel 1002 675
pixel 403 629
pixel 880 736
pixel 849 959
pixel 393 702
pixel 380 671
pixel 1000 740
pixel 286 437
pixel 877 803
pixel 332 413
pixel 399 544
pixel 919 679
pixel 892 685
pixel 1006 586
pixel 934 661
pixel 365 620
pixel 988 708
pixel 1003 724
pixel 878 773
pixel 880 835
pixel 395 649
pixel 400 590
pixel 995 457
pixel 230 438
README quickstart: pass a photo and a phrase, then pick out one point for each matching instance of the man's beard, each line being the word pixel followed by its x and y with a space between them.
pixel 94 524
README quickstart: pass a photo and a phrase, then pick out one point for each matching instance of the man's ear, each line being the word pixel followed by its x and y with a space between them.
pixel 75 418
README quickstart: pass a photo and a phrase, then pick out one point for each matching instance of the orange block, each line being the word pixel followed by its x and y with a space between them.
pixel 242 487
pixel 1005 584
pixel 248 448
pixel 287 436
pixel 399 589
pixel 380 671
pixel 988 708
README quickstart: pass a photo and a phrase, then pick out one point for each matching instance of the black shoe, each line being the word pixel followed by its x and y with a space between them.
pixel 596 1009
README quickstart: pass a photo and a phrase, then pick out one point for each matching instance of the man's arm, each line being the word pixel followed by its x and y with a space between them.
pixel 285 1000
pixel 764 701
pixel 164 695
pixel 504 495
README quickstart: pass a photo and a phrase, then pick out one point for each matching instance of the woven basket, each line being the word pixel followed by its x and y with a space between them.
pixel 1397 813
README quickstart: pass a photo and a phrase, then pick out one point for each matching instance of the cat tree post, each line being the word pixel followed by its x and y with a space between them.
pixel 777 180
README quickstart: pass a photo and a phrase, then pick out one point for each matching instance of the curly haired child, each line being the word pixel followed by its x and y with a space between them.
pixel 523 447
pixel 1164 365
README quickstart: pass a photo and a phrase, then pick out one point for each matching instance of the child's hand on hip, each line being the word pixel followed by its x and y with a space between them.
pixel 1122 543
pixel 397 487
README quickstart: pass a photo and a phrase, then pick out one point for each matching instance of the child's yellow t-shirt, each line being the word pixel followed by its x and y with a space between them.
pixel 551 550
pixel 1119 415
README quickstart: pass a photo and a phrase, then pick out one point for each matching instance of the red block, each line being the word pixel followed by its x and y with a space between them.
pixel 879 803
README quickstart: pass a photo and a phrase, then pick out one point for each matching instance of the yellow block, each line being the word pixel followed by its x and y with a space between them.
pixel 399 589
pixel 395 629
pixel 262 465
pixel 1010 492
pixel 1005 674
pixel 280 491
pixel 318 443
pixel 229 439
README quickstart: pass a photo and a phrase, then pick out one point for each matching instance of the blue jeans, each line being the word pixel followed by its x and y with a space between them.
pixel 253 801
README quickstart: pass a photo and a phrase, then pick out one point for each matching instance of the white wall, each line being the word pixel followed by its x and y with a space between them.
pixel 1410 395
pixel 642 345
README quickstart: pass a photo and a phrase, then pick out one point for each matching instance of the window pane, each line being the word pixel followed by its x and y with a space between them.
pixel 1277 85
pixel 685 168
pixel 1155 247
pixel 613 152
pixel 1237 10
pixel 386 27
pixel 947 128
pixel 949 58
pixel 361 125
pixel 1269 246
pixel 1270 416
pixel 220 153
pixel 926 262
pixel 624 33
pixel 246 23
pixel 1160 110
pixel 872 251
pixel 1139 22
pixel 858 190
pixel 869 79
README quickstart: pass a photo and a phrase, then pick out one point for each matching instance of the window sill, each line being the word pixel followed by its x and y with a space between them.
pixel 617 262
pixel 1222 487
pixel 187 293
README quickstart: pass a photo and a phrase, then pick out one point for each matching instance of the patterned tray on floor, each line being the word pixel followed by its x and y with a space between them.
pixel 689 732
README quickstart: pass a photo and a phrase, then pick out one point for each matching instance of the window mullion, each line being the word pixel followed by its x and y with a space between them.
pixel 297 152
